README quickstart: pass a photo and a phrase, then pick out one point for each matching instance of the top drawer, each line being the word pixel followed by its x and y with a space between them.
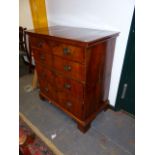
pixel 66 51
pixel 41 43
pixel 69 52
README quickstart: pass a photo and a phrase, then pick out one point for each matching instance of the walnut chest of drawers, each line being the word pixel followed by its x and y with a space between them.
pixel 74 68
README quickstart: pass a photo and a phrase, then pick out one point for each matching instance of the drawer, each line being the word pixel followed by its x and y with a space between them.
pixel 69 52
pixel 44 74
pixel 69 86
pixel 41 43
pixel 68 68
pixel 47 89
pixel 42 58
pixel 69 103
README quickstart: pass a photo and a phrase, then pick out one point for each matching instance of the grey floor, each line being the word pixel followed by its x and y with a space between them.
pixel 111 133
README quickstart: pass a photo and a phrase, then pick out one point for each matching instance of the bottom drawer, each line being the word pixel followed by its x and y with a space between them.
pixel 69 103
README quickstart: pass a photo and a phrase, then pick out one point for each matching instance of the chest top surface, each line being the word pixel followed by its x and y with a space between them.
pixel 74 33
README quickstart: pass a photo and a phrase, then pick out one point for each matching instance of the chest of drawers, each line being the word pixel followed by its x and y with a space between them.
pixel 74 68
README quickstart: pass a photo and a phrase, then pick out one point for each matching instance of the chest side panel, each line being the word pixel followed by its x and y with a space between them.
pixel 110 49
pixel 98 72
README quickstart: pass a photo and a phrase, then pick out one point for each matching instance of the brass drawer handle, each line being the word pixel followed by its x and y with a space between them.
pixel 66 51
pixel 40 44
pixel 69 104
pixel 67 86
pixel 46 89
pixel 42 57
pixel 67 68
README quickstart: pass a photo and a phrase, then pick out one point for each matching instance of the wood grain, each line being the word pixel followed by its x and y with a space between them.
pixel 74 68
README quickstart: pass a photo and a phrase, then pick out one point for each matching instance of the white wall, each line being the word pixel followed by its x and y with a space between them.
pixel 101 14
pixel 25 18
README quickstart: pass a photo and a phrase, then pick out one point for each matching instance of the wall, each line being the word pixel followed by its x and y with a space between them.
pixel 101 14
pixel 25 18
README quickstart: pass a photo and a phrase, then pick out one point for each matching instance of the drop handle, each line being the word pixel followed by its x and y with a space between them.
pixel 40 44
pixel 69 104
pixel 67 86
pixel 46 89
pixel 67 68
pixel 66 51
pixel 42 57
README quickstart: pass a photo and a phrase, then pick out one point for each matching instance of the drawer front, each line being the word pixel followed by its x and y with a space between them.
pixel 69 103
pixel 68 68
pixel 42 44
pixel 69 86
pixel 42 58
pixel 44 74
pixel 69 52
pixel 47 89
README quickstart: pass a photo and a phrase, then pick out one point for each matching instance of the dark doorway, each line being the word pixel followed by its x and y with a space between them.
pixel 126 92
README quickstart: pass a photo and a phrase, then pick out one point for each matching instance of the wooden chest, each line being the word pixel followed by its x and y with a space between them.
pixel 74 68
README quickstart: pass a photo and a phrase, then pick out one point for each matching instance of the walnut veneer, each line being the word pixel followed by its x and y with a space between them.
pixel 74 68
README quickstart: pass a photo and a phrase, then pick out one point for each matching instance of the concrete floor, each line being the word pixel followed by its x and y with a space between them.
pixel 111 133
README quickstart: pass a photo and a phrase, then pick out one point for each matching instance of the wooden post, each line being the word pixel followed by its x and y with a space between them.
pixel 39 18
pixel 34 80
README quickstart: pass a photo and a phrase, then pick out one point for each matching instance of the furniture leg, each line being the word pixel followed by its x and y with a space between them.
pixel 83 128
pixel 42 97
